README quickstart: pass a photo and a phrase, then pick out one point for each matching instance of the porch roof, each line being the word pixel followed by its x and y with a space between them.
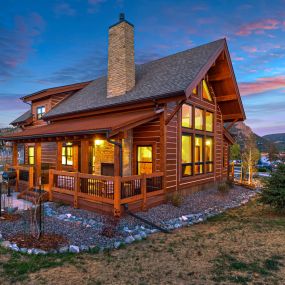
pixel 89 125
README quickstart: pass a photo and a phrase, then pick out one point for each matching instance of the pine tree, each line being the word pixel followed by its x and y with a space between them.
pixel 273 193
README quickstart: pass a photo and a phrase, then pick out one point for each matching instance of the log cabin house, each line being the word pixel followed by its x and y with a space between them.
pixel 134 135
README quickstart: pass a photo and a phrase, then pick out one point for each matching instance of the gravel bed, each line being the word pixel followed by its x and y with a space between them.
pixel 83 228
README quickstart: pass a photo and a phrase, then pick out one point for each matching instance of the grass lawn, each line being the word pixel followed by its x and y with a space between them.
pixel 242 246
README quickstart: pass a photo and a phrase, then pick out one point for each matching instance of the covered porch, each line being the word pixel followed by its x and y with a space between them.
pixel 96 163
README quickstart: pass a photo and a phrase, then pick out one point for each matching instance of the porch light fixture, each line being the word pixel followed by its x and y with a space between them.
pixel 98 142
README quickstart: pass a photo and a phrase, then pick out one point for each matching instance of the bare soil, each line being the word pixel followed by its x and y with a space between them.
pixel 243 246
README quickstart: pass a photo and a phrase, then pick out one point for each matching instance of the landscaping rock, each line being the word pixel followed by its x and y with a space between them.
pixel 117 244
pixel 14 247
pixel 63 249
pixel 137 237
pixel 39 251
pixel 1 237
pixel 23 250
pixel 129 239
pixel 6 244
pixel 30 251
pixel 84 248
pixel 74 249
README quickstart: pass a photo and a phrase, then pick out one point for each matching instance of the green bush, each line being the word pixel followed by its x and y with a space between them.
pixel 176 199
pixel 273 193
pixel 262 169
pixel 223 187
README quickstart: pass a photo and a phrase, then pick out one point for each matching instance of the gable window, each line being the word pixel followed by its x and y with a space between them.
pixel 31 155
pixel 186 116
pixel 40 112
pixel 198 155
pixel 67 154
pixel 209 154
pixel 206 92
pixel 195 91
pixel 209 121
pixel 199 119
pixel 186 155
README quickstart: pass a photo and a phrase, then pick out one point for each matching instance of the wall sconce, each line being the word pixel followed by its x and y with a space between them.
pixel 98 142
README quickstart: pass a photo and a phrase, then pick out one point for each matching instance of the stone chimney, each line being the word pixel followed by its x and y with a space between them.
pixel 121 58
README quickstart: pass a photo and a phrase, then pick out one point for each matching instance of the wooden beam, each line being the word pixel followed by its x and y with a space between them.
pixel 59 154
pixel 15 154
pixel 228 97
pixel 219 76
pixel 38 162
pixel 232 117
pixel 176 109
pixel 231 124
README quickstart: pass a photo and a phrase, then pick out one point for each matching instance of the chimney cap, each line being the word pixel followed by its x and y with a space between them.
pixel 121 19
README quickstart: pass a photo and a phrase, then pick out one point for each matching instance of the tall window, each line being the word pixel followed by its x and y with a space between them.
pixel 198 154
pixel 67 154
pixel 205 92
pixel 186 116
pixel 199 119
pixel 40 112
pixel 31 155
pixel 209 155
pixel 209 121
pixel 144 160
pixel 186 156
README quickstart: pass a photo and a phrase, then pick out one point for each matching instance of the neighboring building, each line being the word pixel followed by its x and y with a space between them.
pixel 137 133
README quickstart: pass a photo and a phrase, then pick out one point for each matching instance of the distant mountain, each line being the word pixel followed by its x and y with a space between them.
pixel 278 140
pixel 242 132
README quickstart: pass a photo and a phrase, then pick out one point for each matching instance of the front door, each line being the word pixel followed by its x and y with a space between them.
pixel 144 159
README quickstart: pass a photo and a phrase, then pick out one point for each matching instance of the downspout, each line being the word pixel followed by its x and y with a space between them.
pixel 120 151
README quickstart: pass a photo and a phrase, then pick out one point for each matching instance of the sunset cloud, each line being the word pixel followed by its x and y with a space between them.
pixel 258 27
pixel 262 84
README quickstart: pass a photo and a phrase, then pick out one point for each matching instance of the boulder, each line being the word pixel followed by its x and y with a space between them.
pixel 63 249
pixel 74 249
pixel 129 239
pixel 117 244
pixel 6 244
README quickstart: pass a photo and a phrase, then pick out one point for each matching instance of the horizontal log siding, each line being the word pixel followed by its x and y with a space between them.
pixel 226 158
pixel 219 145
pixel 149 133
pixel 49 153
pixel 171 171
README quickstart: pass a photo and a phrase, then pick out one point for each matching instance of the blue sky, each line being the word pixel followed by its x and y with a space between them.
pixel 46 43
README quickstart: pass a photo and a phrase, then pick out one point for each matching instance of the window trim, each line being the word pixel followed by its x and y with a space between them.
pixel 31 156
pixel 191 150
pixel 192 117
pixel 213 155
pixel 65 146
pixel 152 157
pixel 202 90
pixel 40 115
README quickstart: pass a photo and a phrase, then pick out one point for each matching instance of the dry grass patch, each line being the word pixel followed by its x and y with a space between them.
pixel 243 246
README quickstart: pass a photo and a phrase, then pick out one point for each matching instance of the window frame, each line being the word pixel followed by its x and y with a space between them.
pixel 40 114
pixel 150 162
pixel 31 156
pixel 202 90
pixel 191 117
pixel 191 151
pixel 207 162
pixel 66 156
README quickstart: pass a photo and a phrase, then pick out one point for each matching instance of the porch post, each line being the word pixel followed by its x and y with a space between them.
pixel 59 154
pixel 15 154
pixel 117 180
pixel 38 162
pixel 84 154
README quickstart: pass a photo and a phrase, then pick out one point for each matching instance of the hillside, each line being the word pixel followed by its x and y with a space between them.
pixel 278 140
pixel 242 132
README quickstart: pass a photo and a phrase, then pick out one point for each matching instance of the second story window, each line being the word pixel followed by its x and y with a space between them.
pixel 40 112
pixel 67 154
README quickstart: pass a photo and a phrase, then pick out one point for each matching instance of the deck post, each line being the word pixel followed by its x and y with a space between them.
pixel 117 196
pixel 31 177
pixel 76 189
pixel 38 162
pixel 50 185
pixel 84 153
pixel 143 192
pixel 15 154
pixel 59 155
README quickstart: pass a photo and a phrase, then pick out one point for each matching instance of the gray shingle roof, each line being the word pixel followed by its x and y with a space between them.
pixel 22 118
pixel 167 75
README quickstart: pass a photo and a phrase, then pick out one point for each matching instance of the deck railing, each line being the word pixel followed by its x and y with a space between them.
pixel 113 190
pixel 25 176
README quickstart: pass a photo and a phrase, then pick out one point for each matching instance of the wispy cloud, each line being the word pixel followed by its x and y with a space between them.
pixel 262 84
pixel 258 27
pixel 16 43
pixel 94 5
pixel 64 9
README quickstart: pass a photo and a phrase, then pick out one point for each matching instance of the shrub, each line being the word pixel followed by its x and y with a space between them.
pixel 262 169
pixel 273 193
pixel 230 183
pixel 223 187
pixel 176 199
pixel 109 230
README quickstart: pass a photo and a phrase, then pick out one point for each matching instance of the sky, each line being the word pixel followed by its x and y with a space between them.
pixel 47 43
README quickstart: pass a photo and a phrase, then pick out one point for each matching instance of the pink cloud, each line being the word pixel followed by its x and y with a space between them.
pixel 262 84
pixel 258 27
pixel 250 49
pixel 238 58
